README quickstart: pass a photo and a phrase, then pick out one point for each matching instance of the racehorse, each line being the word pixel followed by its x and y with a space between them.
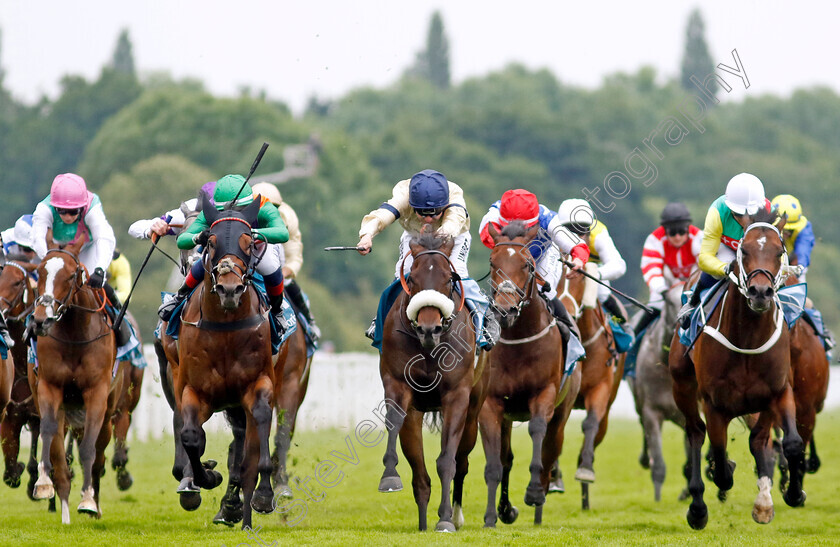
pixel 73 385
pixel 527 376
pixel 740 364
pixel 222 360
pixel 653 389
pixel 17 300
pixel 129 397
pixel 427 365
pixel 288 396
pixel 601 371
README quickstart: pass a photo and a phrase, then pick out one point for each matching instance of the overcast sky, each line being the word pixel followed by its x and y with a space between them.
pixel 293 50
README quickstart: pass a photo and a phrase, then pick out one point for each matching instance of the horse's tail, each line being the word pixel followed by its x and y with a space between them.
pixel 434 421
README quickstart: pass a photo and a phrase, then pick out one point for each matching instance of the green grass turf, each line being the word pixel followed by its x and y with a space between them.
pixel 353 512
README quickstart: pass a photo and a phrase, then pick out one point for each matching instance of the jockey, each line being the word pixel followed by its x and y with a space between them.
pixel 293 250
pixel 18 239
pixel 673 246
pixel 725 223
pixel 798 234
pixel 577 216
pixel 72 212
pixel 172 222
pixel 545 248
pixel 427 199
pixel 270 229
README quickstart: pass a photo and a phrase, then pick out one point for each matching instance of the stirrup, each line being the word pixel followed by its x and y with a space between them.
pixel 684 315
pixel 371 329
pixel 8 339
pixel 491 332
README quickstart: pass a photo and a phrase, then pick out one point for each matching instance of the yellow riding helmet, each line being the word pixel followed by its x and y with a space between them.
pixel 787 204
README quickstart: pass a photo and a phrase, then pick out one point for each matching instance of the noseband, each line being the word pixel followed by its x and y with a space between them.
pixel 49 301
pixel 224 249
pixel 743 279
pixel 446 322
pixel 509 287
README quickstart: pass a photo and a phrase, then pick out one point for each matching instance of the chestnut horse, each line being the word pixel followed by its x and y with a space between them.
pixel 132 383
pixel 740 364
pixel 527 376
pixel 222 360
pixel 17 300
pixel 601 371
pixel 76 349
pixel 427 365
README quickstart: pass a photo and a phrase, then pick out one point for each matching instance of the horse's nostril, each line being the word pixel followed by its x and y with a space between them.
pixel 752 291
pixel 768 292
pixel 438 329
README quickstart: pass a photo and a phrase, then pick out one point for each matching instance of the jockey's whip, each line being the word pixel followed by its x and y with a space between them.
pixel 343 249
pixel 118 321
pixel 613 289
pixel 257 161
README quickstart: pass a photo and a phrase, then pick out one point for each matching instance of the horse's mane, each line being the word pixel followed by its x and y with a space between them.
pixel 763 215
pixel 429 241
pixel 516 228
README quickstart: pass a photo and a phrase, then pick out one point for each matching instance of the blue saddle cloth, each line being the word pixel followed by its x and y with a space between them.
pixel 4 349
pixel 311 344
pixel 289 320
pixel 623 339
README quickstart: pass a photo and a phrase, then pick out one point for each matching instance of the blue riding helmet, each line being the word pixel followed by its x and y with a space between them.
pixel 428 189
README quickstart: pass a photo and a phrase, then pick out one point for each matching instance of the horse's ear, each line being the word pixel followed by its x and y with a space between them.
pixel 780 223
pixel 76 246
pixel 29 266
pixel 447 247
pixel 493 232
pixel 414 247
pixel 211 215
pixel 51 244
pixel 532 232
pixel 252 211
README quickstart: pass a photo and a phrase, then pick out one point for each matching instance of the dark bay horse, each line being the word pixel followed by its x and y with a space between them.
pixel 17 300
pixel 74 384
pixel 653 389
pixel 427 365
pixel 527 376
pixel 222 360
pixel 739 365
pixel 601 373
pixel 288 396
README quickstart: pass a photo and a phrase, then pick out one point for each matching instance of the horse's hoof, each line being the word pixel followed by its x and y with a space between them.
pixel 534 495
pixel 230 512
pixel 584 475
pixel 443 526
pixel 644 461
pixel 721 495
pixel 283 491
pixel 763 515
pixel 262 503
pixel 457 516
pixel 124 479
pixel 214 479
pixel 190 501
pixel 697 519
pixel 30 487
pixel 812 465
pixel 88 507
pixel 43 491
pixel 209 464
pixel 684 495
pixel 390 484
pixel 221 519
pixel 12 476
pixel 507 514
pixel 556 486
pixel 795 502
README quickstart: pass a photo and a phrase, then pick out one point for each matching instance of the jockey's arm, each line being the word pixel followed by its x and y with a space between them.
pixel 455 217
pixel 271 229
pixel 384 215
pixel 803 245
pixel 712 232
pixel 568 242
pixel 102 235
pixel 612 265
pixel 185 240
pixel 41 222
pixel 143 228
pixel 484 226
pixel 653 264
pixel 294 247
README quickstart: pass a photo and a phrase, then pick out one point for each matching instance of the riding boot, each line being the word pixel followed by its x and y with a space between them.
pixel 166 309
pixel 559 311
pixel 4 331
pixel 616 309
pixel 642 320
pixel 684 315
pixel 277 312
pixel 296 296
pixel 492 331
pixel 124 333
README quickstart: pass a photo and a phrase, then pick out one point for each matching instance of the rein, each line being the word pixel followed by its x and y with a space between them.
pixel 715 333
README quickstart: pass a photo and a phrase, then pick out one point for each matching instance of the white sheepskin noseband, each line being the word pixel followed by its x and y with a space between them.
pixel 429 298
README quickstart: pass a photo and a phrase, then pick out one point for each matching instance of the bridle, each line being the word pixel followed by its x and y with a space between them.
pixel 509 287
pixel 455 278
pixel 20 297
pixel 743 278
pixel 60 307
pixel 226 265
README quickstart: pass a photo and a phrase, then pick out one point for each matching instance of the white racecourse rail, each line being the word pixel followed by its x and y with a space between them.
pixel 344 388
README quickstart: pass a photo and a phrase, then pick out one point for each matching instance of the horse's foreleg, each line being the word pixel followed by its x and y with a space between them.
pixel 61 471
pixel 813 459
pixel 652 424
pixel 717 425
pixel 230 510
pixel 96 407
pixel 10 435
pixel 49 398
pixel 411 441
pixel 396 406
pixel 596 408
pixel 490 422
pixel 462 462
pixel 761 446
pixel 32 465
pixel 508 513
pixel 258 401
pixel 194 413
pixel 794 448
pixel 122 421
pixel 455 406
pixel 542 410
pixel 99 463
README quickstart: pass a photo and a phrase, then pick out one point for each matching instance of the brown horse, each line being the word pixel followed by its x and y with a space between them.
pixel 17 300
pixel 427 365
pixel 222 360
pixel 527 376
pixel 601 373
pixel 76 349
pixel 740 364
pixel 288 396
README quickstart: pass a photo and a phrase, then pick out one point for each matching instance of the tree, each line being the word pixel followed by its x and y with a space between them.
pixel 433 62
pixel 123 59
pixel 696 61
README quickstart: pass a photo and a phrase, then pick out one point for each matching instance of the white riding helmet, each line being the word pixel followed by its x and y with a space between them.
pixel 745 194
pixel 268 190
pixel 576 212
pixel 23 231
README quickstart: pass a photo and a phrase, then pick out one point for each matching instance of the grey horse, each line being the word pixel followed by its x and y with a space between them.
pixel 652 389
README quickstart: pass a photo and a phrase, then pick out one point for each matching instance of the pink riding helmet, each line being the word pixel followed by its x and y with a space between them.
pixel 69 192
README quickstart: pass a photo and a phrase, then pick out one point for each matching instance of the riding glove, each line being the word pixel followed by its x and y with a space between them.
pixel 97 279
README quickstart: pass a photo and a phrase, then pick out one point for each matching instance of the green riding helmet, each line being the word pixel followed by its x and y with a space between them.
pixel 226 190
